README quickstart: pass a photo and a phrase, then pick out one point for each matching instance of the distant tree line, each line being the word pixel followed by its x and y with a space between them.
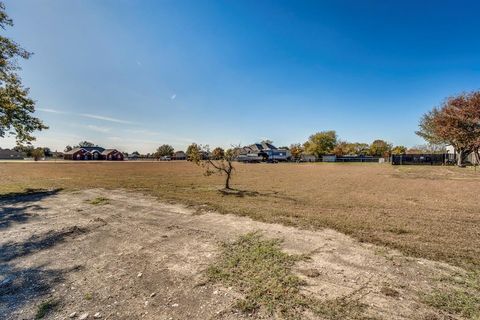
pixel 81 144
pixel 36 153
pixel 327 143
pixel 318 144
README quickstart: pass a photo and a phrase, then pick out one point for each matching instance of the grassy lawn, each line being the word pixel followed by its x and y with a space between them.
pixel 431 212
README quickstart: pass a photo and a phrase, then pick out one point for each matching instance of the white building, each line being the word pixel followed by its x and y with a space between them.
pixel 470 158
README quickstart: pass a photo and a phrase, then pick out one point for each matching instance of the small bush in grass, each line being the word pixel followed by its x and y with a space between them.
pixel 98 201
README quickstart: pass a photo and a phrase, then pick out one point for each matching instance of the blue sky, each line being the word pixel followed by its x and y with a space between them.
pixel 136 74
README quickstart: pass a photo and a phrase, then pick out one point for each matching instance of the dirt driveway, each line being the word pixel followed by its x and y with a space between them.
pixel 137 258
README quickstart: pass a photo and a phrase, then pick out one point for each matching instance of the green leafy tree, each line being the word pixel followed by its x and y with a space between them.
pixel 164 150
pixel 16 107
pixel 321 143
pixel 380 148
pixel 38 153
pixel 86 144
pixel 68 148
pixel 351 148
pixel 399 150
pixel 193 152
pixel 360 148
pixel 26 150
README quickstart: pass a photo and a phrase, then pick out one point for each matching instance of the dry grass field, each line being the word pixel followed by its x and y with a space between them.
pixel 430 212
pixel 120 254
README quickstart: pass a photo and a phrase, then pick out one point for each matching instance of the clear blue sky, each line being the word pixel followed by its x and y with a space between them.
pixel 136 74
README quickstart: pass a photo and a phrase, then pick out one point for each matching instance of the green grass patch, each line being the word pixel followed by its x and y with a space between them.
pixel 99 201
pixel 456 301
pixel 44 308
pixel 262 272
pixel 462 297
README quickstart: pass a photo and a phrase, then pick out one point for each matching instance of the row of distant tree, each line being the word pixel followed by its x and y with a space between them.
pixel 327 142
pixel 318 144
pixel 167 150
pixel 313 146
pixel 81 144
pixel 36 153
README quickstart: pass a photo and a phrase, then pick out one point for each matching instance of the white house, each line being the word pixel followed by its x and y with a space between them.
pixel 470 158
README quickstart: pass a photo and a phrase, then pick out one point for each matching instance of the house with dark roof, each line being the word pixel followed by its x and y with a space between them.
pixel 264 151
pixel 93 153
pixel 77 154
pixel 112 155
pixel 8 154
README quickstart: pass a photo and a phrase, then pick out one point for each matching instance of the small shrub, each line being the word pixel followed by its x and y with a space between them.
pixel 44 308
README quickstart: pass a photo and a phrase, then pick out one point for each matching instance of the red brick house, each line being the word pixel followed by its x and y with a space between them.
pixel 112 155
pixel 77 154
pixel 93 153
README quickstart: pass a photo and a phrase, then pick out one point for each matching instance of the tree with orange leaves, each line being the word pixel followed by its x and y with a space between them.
pixel 456 122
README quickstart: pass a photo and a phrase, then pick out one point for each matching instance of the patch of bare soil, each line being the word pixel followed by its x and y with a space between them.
pixel 133 257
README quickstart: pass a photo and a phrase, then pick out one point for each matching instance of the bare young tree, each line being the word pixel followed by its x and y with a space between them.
pixel 216 165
